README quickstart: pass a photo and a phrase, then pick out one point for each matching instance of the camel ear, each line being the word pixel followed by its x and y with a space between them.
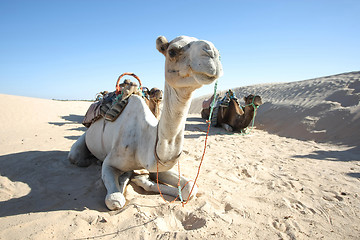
pixel 245 99
pixel 162 44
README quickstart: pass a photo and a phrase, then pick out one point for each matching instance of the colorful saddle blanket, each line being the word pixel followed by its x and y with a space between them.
pixel 110 108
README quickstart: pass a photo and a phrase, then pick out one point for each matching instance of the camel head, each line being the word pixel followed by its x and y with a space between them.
pixel 242 119
pixel 155 94
pixel 190 63
pixel 253 99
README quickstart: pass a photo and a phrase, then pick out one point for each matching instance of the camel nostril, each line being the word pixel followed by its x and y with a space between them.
pixel 209 51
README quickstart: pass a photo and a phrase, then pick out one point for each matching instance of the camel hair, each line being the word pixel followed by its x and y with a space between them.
pixel 137 140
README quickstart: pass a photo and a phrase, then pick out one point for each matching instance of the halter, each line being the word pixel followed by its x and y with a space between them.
pixel 252 103
pixel 253 120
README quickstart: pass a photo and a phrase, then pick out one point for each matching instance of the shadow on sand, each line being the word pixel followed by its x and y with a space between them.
pixel 71 119
pixel 341 156
pixel 55 183
pixel 349 155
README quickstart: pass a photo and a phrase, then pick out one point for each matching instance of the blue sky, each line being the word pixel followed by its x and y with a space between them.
pixel 74 49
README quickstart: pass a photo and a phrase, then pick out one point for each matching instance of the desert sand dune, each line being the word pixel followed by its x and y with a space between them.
pixel 323 109
pixel 296 176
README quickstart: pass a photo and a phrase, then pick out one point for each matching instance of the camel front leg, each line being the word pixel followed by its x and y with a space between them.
pixel 149 185
pixel 115 182
pixel 172 178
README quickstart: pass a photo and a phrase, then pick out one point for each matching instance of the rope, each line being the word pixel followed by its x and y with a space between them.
pixel 201 161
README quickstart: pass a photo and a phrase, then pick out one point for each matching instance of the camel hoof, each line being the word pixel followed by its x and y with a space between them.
pixel 115 201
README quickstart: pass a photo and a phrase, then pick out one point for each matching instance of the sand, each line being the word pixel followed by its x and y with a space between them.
pixel 296 176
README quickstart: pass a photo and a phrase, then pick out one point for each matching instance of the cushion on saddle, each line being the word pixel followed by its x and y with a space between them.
pixel 92 114
pixel 207 103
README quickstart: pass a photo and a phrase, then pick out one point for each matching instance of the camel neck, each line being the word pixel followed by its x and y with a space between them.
pixel 172 123
pixel 249 114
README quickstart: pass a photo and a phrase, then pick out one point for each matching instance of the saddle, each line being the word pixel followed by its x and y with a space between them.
pixel 226 99
pixel 219 102
pixel 112 104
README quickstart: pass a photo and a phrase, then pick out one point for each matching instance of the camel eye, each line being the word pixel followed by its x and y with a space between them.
pixel 172 53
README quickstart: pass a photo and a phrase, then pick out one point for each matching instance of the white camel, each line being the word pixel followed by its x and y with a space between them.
pixel 137 140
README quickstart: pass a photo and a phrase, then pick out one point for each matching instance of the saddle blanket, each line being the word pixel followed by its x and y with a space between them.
pixel 110 108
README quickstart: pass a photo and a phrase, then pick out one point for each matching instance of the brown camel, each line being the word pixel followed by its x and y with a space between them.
pixel 233 117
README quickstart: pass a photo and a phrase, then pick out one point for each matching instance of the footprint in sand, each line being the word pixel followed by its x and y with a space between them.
pixel 246 173
pixel 279 225
pixel 285 226
pixel 299 206
pixel 192 222
pixel 228 207
pixel 332 196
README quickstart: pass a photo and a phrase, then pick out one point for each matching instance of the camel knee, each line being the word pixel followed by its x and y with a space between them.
pixel 79 153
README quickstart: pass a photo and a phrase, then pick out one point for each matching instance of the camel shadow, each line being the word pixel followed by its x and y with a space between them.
pixel 71 119
pixel 55 184
pixel 354 174
pixel 349 155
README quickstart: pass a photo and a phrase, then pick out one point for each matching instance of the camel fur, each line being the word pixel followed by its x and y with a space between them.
pixel 137 140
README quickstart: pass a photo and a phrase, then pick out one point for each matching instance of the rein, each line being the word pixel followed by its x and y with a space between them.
pixel 201 161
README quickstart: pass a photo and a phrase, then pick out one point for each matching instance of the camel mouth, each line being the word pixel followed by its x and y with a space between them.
pixel 206 69
pixel 203 78
pixel 257 101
